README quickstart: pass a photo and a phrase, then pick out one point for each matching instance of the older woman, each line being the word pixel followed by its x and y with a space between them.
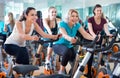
pixel 68 29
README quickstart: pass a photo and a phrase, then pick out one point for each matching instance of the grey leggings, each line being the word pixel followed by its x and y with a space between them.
pixel 68 54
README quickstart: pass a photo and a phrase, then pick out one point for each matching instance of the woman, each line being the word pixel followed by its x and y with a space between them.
pixel 15 43
pixel 96 24
pixel 10 24
pixel 68 29
pixel 50 24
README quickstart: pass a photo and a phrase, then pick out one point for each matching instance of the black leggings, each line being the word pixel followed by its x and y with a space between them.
pixel 21 53
pixel 68 54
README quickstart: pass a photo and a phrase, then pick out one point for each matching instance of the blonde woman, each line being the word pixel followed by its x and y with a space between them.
pixel 68 29
pixel 50 25
pixel 9 25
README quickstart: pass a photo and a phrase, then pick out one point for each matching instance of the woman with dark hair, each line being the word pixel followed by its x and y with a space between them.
pixel 39 20
pixel 96 24
pixel 15 44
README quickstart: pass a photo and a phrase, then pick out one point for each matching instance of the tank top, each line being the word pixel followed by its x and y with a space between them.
pixel 14 38
pixel 53 30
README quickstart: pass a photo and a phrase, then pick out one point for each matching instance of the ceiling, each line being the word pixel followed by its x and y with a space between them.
pixel 49 2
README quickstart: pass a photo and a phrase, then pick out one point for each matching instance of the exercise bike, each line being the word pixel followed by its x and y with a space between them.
pixel 25 69
pixel 91 50
pixel 5 64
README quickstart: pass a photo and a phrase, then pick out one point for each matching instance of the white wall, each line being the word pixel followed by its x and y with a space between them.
pixel 102 2
pixel 75 4
pixel 1 11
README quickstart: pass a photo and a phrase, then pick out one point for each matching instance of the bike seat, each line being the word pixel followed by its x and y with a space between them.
pixel 24 69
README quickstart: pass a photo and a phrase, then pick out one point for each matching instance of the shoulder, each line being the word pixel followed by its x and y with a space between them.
pixel 18 23
pixel 35 24
pixel 62 24
pixel 46 19
pixel 103 20
pixel 77 25
pixel 91 19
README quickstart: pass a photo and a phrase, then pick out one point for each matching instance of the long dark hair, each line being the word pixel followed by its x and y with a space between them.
pixel 96 6
pixel 25 12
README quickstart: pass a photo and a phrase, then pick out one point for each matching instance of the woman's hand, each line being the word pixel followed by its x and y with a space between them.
pixel 54 37
pixel 35 38
pixel 73 40
pixel 110 35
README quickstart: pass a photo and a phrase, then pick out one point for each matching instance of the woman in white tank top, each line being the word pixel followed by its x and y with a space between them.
pixel 15 43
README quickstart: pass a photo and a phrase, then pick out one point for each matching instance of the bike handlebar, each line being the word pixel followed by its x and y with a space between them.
pixel 41 41
pixel 90 47
pixel 109 46
pixel 86 43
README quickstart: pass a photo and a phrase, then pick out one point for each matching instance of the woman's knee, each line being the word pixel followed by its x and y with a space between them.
pixel 22 56
pixel 60 49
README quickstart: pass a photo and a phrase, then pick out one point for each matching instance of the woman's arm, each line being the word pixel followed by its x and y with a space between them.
pixel 85 34
pixel 5 29
pixel 43 34
pixel 66 36
pixel 91 30
pixel 45 24
pixel 106 29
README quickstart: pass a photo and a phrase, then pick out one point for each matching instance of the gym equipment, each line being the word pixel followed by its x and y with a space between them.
pixel 41 42
pixel 5 71
pixel 91 50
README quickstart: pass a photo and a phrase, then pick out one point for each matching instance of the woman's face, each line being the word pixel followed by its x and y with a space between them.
pixel 32 16
pixel 98 12
pixel 52 13
pixel 10 16
pixel 73 18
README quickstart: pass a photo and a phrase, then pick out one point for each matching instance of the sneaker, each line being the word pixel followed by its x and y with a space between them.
pixel 48 65
pixel 61 72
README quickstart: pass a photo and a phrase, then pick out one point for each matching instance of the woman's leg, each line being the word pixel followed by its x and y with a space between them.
pixel 49 51
pixel 20 53
pixel 89 74
pixel 66 53
pixel 22 56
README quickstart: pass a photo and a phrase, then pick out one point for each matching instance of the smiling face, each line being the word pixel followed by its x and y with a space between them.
pixel 73 17
pixel 52 12
pixel 31 16
pixel 98 12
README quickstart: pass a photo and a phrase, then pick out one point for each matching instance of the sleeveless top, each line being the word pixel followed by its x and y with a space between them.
pixel 15 38
pixel 53 30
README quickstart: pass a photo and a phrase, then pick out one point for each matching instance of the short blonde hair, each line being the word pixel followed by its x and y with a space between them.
pixel 70 13
pixel 52 7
